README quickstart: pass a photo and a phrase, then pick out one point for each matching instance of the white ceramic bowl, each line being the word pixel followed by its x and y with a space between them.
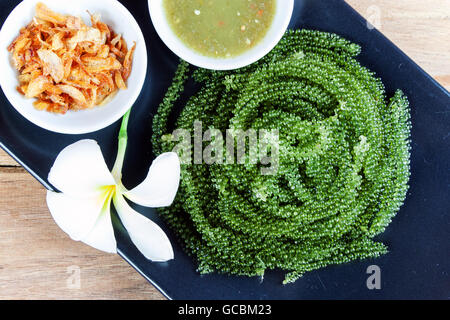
pixel 280 23
pixel 75 122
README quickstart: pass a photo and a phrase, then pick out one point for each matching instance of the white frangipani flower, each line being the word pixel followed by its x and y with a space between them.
pixel 82 209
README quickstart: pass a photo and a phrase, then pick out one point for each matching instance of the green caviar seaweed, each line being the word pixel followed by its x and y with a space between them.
pixel 343 173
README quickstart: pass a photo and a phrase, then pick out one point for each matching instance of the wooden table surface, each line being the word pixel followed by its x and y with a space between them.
pixel 38 261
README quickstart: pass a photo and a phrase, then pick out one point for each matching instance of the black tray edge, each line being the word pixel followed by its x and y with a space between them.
pixel 122 255
pixel 400 51
pixel 35 175
pixel 135 267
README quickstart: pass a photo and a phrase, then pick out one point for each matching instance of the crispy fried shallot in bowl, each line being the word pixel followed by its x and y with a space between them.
pixel 72 67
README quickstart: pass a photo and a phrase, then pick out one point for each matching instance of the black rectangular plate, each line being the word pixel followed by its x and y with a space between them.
pixel 418 264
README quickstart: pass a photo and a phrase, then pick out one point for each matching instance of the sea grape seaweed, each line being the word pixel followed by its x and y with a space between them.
pixel 343 167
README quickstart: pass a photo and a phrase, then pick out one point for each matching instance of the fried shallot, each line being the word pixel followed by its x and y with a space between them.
pixel 68 65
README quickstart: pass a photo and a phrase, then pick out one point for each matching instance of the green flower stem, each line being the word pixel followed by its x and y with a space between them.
pixel 123 139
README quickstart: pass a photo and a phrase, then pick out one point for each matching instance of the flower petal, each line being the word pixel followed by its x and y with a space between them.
pixel 146 235
pixel 81 218
pixel 80 170
pixel 74 216
pixel 102 235
pixel 161 185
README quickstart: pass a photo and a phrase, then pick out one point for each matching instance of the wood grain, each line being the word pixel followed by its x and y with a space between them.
pixel 420 28
pixel 6 160
pixel 37 260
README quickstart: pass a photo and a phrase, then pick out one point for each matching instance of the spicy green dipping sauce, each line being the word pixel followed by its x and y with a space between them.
pixel 220 28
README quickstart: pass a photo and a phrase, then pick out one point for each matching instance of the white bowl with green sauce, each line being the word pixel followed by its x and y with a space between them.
pixel 219 34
